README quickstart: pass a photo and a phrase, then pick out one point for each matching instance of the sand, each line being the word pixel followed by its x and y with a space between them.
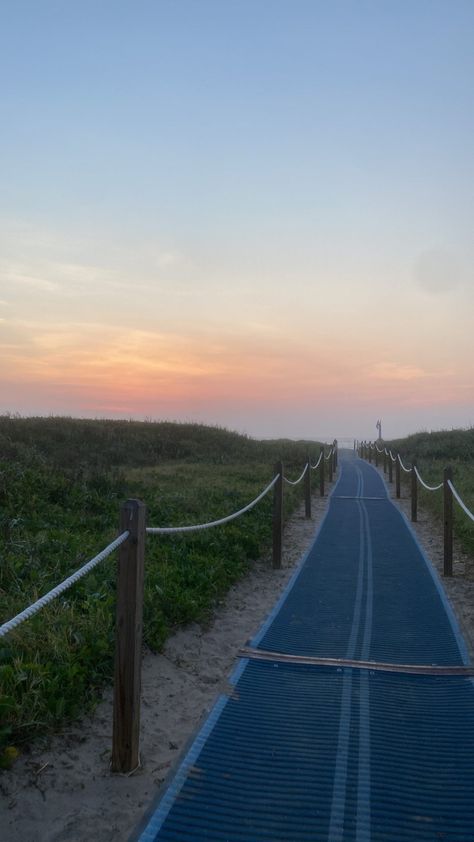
pixel 65 791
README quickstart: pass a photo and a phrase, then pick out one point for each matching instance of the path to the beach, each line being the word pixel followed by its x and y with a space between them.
pixel 299 750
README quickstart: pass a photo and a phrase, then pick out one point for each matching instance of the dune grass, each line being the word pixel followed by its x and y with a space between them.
pixel 432 453
pixel 61 484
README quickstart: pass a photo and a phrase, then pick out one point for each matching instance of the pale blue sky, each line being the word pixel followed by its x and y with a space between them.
pixel 215 170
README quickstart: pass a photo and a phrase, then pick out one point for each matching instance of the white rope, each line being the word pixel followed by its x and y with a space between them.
pixel 461 502
pixel 392 457
pixel 385 451
pixel 329 455
pixel 313 467
pixel 295 482
pixel 407 470
pixel 379 449
pixel 428 487
pixel 63 586
pixel 161 530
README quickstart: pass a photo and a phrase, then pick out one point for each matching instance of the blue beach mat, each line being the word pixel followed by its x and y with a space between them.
pixel 299 751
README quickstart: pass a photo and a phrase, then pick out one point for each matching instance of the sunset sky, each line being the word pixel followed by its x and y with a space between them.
pixel 255 213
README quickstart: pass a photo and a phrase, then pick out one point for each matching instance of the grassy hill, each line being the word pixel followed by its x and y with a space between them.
pixel 61 484
pixel 432 453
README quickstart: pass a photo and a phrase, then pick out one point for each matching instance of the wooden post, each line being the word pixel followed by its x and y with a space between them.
pixel 330 467
pixel 336 456
pixel 370 452
pixel 277 517
pixel 448 523
pixel 128 639
pixel 397 477
pixel 384 461
pixel 414 494
pixel 321 473
pixel 390 467
pixel 376 456
pixel 307 489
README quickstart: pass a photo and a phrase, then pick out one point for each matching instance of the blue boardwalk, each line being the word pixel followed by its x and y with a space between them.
pixel 329 754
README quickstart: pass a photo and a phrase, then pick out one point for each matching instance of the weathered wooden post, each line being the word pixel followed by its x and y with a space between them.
pixel 307 488
pixel 414 493
pixel 397 477
pixel 330 466
pixel 128 639
pixel 385 460
pixel 448 523
pixel 370 451
pixel 322 472
pixel 390 466
pixel 336 456
pixel 376 456
pixel 277 517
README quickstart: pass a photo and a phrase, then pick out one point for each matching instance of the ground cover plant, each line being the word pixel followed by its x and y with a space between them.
pixel 433 452
pixel 61 484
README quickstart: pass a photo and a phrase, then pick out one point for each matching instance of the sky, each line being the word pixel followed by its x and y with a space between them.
pixel 251 213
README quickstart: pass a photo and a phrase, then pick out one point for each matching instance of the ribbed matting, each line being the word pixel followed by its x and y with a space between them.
pixel 303 752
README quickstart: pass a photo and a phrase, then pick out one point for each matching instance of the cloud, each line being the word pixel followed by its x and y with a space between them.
pixel 437 271
pixel 10 278
pixel 395 371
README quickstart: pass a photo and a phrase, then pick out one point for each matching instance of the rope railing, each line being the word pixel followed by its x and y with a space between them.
pixel 297 481
pixel 449 492
pixel 407 470
pixel 460 501
pixel 424 484
pixel 169 530
pixel 313 467
pixel 63 586
pixel 129 610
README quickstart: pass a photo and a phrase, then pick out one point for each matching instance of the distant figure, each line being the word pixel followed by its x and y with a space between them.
pixel 379 428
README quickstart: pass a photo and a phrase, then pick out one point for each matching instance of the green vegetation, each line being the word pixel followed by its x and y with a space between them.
pixel 61 484
pixel 433 452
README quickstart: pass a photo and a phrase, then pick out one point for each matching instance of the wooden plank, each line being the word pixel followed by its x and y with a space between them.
pixel 376 666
